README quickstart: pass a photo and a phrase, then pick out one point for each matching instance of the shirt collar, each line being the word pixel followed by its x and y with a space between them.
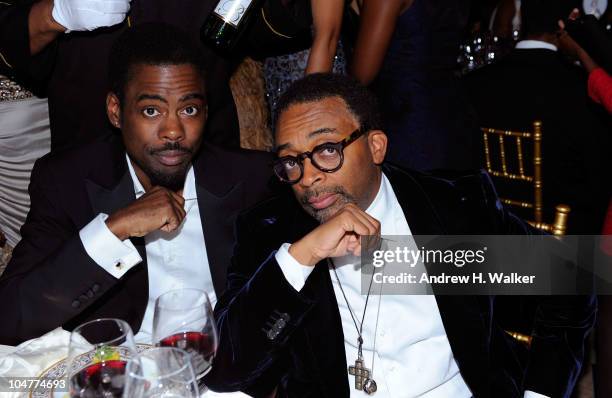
pixel 189 191
pixel 380 202
pixel 535 44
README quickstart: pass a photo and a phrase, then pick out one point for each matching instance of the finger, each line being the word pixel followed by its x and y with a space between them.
pixel 354 245
pixel 370 222
pixel 348 244
pixel 351 223
pixel 175 201
pixel 372 240
pixel 179 211
pixel 169 227
pixel 357 210
pixel 172 222
pixel 178 198
pixel 352 242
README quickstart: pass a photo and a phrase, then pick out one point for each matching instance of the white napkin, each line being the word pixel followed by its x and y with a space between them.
pixel 31 357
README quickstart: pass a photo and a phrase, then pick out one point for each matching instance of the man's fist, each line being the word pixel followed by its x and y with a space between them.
pixel 338 236
pixel 158 209
pixel 89 14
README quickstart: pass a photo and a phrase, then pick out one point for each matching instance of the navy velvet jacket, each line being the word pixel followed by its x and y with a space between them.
pixel 304 355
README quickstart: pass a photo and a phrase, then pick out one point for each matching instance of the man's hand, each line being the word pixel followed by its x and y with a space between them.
pixel 338 236
pixel 158 209
pixel 89 14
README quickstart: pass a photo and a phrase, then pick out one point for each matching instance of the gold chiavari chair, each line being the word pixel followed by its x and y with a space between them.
pixel 500 168
pixel 496 144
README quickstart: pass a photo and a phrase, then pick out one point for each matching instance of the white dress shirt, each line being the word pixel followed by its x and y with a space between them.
pixel 412 357
pixel 175 260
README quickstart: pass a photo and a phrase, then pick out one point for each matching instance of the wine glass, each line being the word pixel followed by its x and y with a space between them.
pixel 97 355
pixel 184 319
pixel 161 372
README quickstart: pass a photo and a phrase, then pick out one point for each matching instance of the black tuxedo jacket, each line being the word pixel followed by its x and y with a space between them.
pixel 72 70
pixel 532 84
pixel 51 281
pixel 304 354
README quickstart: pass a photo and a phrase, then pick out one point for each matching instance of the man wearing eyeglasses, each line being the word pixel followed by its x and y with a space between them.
pixel 293 318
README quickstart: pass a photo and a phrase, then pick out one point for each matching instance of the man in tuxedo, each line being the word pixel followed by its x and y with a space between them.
pixel 289 318
pixel 535 82
pixel 116 223
pixel 59 49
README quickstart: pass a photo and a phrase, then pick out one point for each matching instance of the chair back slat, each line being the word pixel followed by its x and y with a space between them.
pixel 519 154
pixel 498 166
pixel 537 170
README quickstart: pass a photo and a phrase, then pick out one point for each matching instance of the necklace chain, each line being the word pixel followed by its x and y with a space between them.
pixel 360 327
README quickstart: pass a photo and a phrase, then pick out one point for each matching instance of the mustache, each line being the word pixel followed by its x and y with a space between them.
pixel 170 146
pixel 305 198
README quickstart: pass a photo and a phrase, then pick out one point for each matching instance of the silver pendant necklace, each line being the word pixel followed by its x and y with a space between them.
pixel 364 377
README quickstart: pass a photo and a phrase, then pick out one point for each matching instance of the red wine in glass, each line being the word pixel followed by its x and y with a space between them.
pixel 199 344
pixel 103 379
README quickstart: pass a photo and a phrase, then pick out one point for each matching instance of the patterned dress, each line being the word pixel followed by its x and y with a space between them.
pixel 281 71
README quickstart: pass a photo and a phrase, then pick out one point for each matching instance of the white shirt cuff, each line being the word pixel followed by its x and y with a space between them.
pixel 295 273
pixel 531 394
pixel 110 253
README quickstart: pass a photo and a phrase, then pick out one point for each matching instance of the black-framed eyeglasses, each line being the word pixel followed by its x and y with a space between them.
pixel 327 157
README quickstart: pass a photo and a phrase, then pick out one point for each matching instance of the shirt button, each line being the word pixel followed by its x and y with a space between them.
pixel 119 265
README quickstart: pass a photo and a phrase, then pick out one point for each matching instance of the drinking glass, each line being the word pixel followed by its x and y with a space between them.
pixel 161 372
pixel 97 355
pixel 184 319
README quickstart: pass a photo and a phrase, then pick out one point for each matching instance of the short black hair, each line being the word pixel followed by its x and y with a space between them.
pixel 150 44
pixel 542 16
pixel 318 86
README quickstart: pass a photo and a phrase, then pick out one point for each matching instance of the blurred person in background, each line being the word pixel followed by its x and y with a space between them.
pixel 600 91
pixel 535 82
pixel 406 50
pixel 599 80
pixel 24 137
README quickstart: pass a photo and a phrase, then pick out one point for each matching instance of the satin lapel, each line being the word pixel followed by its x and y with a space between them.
pixel 462 316
pixel 218 214
pixel 109 200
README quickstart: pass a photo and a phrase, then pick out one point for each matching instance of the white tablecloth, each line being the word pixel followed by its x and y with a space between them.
pixel 32 357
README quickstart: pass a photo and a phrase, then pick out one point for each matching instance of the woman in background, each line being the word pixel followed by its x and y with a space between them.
pixel 407 50
pixel 294 38
pixel 24 137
